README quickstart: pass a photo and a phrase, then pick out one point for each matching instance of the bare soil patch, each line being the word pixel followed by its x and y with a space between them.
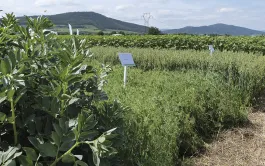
pixel 239 146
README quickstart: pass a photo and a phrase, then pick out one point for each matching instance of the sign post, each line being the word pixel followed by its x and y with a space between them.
pixel 211 49
pixel 126 61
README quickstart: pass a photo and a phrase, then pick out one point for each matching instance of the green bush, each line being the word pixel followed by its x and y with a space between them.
pixel 50 99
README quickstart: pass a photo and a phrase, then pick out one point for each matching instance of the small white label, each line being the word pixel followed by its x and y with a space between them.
pixel 211 48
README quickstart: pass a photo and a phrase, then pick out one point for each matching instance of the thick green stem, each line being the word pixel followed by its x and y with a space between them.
pixel 66 153
pixel 14 121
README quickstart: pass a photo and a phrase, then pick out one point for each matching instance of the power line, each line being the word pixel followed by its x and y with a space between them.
pixel 146 17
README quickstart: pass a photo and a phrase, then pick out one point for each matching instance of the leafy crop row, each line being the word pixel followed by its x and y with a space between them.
pixel 52 109
pixel 181 42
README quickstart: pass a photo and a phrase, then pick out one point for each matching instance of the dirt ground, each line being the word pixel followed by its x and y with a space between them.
pixel 240 146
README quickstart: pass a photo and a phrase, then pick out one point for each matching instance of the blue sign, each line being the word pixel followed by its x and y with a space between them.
pixel 126 59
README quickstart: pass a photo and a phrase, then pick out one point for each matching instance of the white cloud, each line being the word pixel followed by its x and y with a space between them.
pixel 124 7
pixel 48 3
pixel 43 3
pixel 226 10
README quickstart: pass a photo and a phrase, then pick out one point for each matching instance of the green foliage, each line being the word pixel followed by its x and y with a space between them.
pixel 173 113
pixel 153 31
pixel 7 158
pixel 180 99
pixel 246 71
pixel 100 33
pixel 181 42
pixel 122 32
pixel 49 97
pixel 113 32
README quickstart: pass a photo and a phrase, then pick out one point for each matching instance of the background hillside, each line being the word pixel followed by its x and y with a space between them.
pixel 220 29
pixel 90 21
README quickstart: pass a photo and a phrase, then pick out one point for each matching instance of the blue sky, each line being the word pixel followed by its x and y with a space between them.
pixel 166 13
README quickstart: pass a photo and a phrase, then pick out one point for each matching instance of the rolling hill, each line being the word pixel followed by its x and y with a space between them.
pixel 220 29
pixel 90 20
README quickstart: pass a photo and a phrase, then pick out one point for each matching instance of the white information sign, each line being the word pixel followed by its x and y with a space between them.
pixel 70 29
pixel 126 61
pixel 211 49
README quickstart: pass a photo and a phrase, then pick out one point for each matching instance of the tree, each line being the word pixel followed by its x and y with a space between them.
pixel 101 33
pixel 122 32
pixel 113 32
pixel 154 31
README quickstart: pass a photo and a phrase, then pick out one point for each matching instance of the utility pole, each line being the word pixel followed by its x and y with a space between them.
pixel 146 17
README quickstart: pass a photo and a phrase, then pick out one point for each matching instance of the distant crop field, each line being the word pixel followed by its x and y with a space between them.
pixel 88 29
pixel 181 42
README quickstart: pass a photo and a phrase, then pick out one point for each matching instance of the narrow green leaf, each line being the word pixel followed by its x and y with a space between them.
pixel 12 151
pixel 3 67
pixel 80 157
pixel 10 119
pixel 39 164
pixel 10 93
pixel 39 124
pixel 20 93
pixel 25 161
pixel 57 90
pixel 8 65
pixel 63 125
pixel 58 129
pixel 80 163
pixel 34 141
pixel 96 159
pixel 73 100
pixel 47 150
pixel 31 154
pixel 88 135
pixel 11 163
pixel 2 117
pixel 101 139
pixel 68 159
pixel 12 58
pixel 110 131
pixel 56 138
pixel 66 146
pixel 69 137
pixel 5 81
pixel 65 97
pixel 55 105
pixel 63 74
pixel 2 98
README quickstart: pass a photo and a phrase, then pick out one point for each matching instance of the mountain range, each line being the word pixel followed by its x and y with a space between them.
pixel 94 22
pixel 221 29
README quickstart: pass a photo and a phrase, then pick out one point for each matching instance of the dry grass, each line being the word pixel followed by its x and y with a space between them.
pixel 240 146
